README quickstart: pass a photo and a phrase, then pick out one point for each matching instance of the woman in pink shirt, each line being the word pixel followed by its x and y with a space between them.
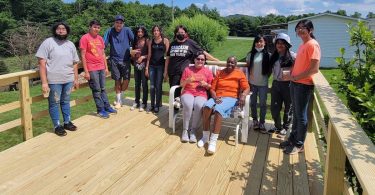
pixel 195 81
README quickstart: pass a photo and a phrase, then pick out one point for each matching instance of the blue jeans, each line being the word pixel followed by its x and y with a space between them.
pixel 156 83
pixel 140 80
pixel 301 96
pixel 59 95
pixel 97 85
pixel 262 92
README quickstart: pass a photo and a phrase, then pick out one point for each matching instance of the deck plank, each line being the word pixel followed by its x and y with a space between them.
pixel 134 153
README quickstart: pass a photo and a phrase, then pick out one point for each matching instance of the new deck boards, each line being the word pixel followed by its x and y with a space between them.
pixel 135 153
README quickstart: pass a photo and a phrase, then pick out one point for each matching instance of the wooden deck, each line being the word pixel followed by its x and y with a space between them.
pixel 135 153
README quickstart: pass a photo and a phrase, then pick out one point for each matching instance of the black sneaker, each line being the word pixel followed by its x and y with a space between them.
pixel 60 131
pixel 273 130
pixel 284 144
pixel 70 126
pixel 156 110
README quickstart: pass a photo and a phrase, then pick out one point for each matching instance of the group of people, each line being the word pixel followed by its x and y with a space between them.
pixel 182 61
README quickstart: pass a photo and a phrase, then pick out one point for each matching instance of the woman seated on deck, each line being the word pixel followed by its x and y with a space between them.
pixel 229 89
pixel 195 81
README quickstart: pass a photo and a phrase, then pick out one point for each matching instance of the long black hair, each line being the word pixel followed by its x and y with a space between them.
pixel 308 25
pixel 145 34
pixel 266 68
pixel 285 61
pixel 178 28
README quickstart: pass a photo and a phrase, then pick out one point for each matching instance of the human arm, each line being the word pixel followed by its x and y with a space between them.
pixel 148 58
pixel 166 43
pixel 313 69
pixel 210 57
pixel 84 64
pixel 43 74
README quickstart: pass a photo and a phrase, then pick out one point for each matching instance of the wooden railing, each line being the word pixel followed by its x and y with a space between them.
pixel 345 139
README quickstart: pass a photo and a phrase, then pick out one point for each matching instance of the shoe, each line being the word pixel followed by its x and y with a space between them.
pixel 293 150
pixel 184 136
pixel 135 105
pixel 60 131
pixel 204 140
pixel 284 144
pixel 262 128
pixel 282 133
pixel 143 108
pixel 156 110
pixel 273 130
pixel 255 124
pixel 70 126
pixel 193 138
pixel 212 145
pixel 103 114
pixel 151 109
pixel 118 104
pixel 110 110
pixel 177 102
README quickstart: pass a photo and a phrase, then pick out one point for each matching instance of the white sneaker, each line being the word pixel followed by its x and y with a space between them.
pixel 184 136
pixel 133 107
pixel 204 140
pixel 141 109
pixel 212 145
pixel 193 139
pixel 117 105
pixel 177 102
pixel 282 133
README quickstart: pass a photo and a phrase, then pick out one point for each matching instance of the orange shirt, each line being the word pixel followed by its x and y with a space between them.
pixel 306 52
pixel 230 85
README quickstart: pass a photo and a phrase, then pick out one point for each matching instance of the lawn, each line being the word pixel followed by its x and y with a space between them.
pixel 12 137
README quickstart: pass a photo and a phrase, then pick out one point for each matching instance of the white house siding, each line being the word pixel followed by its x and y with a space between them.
pixel 332 34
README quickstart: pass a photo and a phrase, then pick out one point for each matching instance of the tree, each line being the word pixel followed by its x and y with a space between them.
pixel 3 68
pixel 356 15
pixel 341 12
pixel 370 15
pixel 205 31
pixel 24 41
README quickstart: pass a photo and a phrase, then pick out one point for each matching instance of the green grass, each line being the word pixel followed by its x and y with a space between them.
pixel 230 47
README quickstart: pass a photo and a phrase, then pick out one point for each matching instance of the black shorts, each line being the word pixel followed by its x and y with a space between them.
pixel 120 70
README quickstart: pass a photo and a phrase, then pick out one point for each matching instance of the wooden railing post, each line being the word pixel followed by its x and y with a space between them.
pixel 335 164
pixel 310 110
pixel 25 103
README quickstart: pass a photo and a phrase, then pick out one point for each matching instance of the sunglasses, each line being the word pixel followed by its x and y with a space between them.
pixel 200 59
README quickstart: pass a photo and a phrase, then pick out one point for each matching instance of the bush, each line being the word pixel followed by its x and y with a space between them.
pixel 359 77
pixel 205 31
pixel 3 68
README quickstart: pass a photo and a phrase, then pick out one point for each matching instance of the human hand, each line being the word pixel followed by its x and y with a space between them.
pixel 87 76
pixel 218 100
pixel 45 90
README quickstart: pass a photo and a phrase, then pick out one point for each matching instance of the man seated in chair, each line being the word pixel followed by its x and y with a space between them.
pixel 195 81
pixel 228 89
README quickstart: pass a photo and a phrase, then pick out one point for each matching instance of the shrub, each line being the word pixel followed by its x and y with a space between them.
pixel 359 77
pixel 3 68
pixel 205 31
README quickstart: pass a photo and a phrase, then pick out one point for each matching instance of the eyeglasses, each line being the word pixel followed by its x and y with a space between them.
pixel 200 59
pixel 301 28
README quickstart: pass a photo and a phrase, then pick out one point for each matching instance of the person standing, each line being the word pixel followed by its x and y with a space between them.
pixel 95 67
pixel 58 59
pixel 157 49
pixel 302 86
pixel 180 55
pixel 139 60
pixel 120 39
pixel 258 63
pixel 282 61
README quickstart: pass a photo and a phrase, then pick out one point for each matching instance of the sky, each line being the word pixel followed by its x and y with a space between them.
pixel 278 7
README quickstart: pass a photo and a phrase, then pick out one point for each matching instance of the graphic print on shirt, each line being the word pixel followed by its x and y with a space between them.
pixel 179 50
pixel 94 45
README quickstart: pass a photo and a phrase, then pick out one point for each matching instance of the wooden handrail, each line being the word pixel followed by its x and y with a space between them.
pixel 346 139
